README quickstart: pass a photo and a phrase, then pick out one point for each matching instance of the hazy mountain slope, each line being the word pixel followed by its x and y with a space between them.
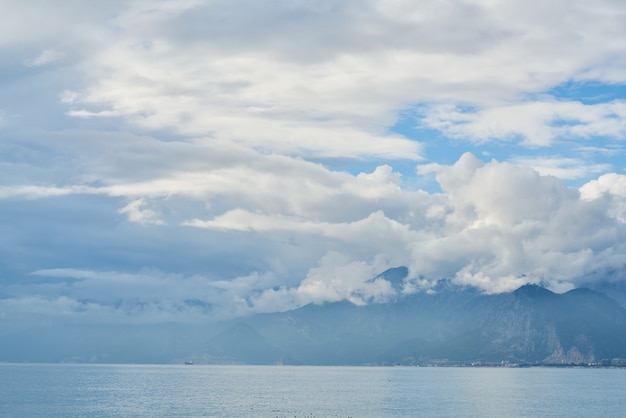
pixel 531 324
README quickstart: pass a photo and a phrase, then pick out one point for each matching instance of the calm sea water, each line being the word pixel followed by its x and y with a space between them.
pixel 61 390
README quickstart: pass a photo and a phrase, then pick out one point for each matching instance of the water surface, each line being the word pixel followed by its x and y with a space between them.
pixel 62 390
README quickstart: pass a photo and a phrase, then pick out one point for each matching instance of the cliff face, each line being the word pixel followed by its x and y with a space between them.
pixel 534 324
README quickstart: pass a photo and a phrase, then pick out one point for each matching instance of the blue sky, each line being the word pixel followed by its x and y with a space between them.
pixel 158 157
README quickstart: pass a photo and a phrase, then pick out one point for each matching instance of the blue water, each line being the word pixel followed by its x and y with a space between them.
pixel 61 390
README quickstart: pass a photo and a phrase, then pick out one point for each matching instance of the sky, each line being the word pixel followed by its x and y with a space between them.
pixel 173 161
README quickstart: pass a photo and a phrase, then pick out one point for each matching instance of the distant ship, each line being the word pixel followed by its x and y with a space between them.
pixel 189 363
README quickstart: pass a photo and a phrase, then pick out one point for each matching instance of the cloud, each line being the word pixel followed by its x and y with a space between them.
pixel 215 158
pixel 148 296
pixel 187 69
pixel 563 168
pixel 538 123
pixel 240 220
pixel 46 57
pixel 495 225
pixel 614 184
pixel 611 189
pixel 138 212
pixel 37 192
pixel 338 278
pixel 502 223
pixel 334 279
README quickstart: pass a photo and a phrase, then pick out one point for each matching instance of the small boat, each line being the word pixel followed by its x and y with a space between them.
pixel 189 363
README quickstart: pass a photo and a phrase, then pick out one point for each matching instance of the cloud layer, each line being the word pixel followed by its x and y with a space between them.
pixel 495 226
pixel 184 160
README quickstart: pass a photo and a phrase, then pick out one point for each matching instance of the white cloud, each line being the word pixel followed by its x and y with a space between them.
pixel 238 79
pixel 611 189
pixel 335 278
pixel 240 220
pixel 563 168
pixel 338 278
pixel 613 183
pixel 138 212
pixel 46 57
pixel 538 123
pixel 37 192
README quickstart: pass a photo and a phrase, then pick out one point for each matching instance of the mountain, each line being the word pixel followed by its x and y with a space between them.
pixel 453 326
pixel 447 325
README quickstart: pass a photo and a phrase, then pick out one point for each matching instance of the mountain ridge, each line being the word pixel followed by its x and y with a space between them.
pixel 454 325
pixel 529 325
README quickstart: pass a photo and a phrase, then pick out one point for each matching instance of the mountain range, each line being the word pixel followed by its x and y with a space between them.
pixel 455 325
pixel 450 325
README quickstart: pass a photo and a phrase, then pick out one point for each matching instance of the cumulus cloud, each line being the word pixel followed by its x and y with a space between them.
pixel 496 227
pixel 611 189
pixel 505 225
pixel 614 184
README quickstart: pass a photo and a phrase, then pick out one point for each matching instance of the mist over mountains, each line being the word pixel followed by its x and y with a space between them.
pixel 449 325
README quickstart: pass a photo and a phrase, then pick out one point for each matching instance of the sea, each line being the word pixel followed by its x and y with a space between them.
pixel 86 390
